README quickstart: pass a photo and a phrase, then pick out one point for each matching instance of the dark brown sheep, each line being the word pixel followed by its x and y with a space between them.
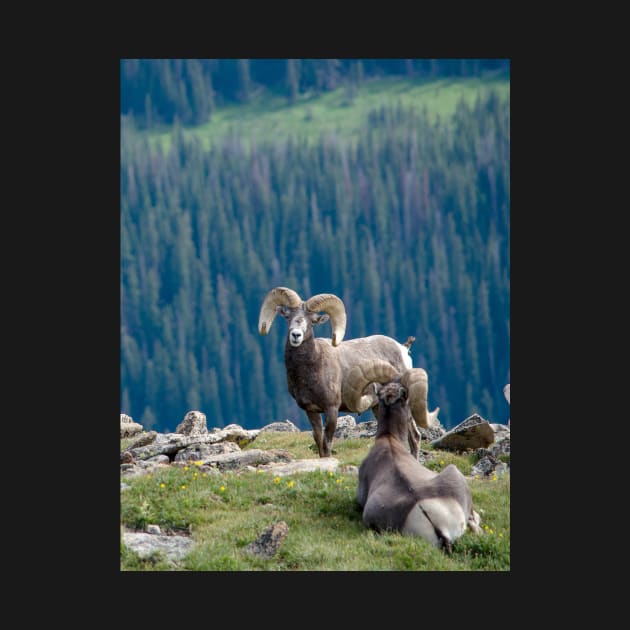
pixel 317 367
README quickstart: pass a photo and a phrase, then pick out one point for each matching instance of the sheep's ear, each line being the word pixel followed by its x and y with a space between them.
pixel 320 319
pixel 282 310
pixel 404 394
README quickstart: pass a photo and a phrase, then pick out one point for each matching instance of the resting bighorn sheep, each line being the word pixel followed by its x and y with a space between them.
pixel 317 367
pixel 395 491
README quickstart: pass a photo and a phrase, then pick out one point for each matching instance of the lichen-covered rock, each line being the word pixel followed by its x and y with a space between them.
pixel 359 430
pixel 194 423
pixel 202 452
pixel 145 545
pixel 128 428
pixel 472 433
pixel 235 433
pixel 287 425
pixel 251 457
pixel 268 543
pixel 344 425
pixel 326 464
pixel 144 439
pixel 488 465
pixel 434 432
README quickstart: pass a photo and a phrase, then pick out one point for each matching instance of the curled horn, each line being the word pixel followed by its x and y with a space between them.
pixel 332 306
pixel 416 381
pixel 359 377
pixel 279 296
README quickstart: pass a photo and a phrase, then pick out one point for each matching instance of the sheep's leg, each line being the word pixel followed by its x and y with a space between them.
pixel 316 423
pixel 329 431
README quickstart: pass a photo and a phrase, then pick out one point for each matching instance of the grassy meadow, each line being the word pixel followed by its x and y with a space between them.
pixel 225 512
pixel 270 117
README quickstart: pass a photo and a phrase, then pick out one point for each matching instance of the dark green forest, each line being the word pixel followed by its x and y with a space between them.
pixel 409 225
pixel 163 91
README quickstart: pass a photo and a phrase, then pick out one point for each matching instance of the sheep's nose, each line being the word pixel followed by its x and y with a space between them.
pixel 295 334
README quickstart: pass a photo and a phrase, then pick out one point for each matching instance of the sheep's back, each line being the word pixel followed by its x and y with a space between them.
pixel 354 351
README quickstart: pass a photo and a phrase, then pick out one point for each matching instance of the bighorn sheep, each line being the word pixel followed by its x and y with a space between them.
pixel 506 393
pixel 317 367
pixel 395 491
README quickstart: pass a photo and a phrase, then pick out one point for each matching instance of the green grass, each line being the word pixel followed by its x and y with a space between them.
pixel 226 512
pixel 269 117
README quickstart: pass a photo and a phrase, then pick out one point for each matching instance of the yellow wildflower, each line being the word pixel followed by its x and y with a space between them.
pixel 291 484
pixel 198 462
pixel 338 480
pixel 183 486
pixel 204 474
pixel 185 467
pixel 162 485
pixel 276 480
pixel 222 488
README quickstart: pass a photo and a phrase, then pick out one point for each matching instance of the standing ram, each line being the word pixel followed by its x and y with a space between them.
pixel 317 367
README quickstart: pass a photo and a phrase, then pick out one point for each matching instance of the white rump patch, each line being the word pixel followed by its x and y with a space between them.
pixel 447 515
pixel 406 357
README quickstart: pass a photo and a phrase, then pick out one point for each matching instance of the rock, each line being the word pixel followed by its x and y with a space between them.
pixel 145 545
pixel 359 430
pixel 487 466
pixel 194 423
pixel 204 452
pixel 287 425
pixel 242 459
pixel 128 427
pixel 235 433
pixel 344 425
pixel 302 465
pixel 268 543
pixel 144 439
pixel 434 432
pixel 472 433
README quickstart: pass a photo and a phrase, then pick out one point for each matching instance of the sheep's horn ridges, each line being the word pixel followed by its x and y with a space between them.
pixel 417 383
pixel 278 296
pixel 333 306
pixel 359 377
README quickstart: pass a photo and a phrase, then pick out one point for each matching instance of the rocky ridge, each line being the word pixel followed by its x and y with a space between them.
pixel 221 449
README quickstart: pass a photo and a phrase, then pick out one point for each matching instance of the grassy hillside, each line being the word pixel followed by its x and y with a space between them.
pixel 270 117
pixel 224 513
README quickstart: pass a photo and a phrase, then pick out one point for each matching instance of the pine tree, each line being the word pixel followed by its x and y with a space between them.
pixel 245 81
pixel 293 80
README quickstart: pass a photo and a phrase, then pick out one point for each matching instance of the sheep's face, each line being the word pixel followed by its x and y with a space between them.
pixel 300 322
pixel 391 393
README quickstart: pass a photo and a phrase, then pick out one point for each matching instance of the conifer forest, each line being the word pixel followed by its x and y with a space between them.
pixel 408 223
